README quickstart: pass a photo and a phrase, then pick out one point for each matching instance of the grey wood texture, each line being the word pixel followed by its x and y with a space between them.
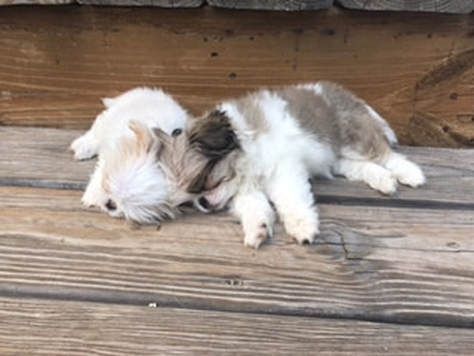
pixel 158 3
pixel 370 263
pixel 40 157
pixel 286 5
pixel 448 6
pixel 55 327
pixel 386 275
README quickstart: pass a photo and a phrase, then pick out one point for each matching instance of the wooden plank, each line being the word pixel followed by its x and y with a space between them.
pixel 159 3
pixel 35 2
pixel 40 157
pixel 377 264
pixel 32 326
pixel 285 5
pixel 28 155
pixel 406 65
pixel 450 6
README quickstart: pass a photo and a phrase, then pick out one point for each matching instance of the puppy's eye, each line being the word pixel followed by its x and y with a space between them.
pixel 176 132
pixel 110 205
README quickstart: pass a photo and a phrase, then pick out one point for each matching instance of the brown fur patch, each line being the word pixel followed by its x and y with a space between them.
pixel 313 114
pixel 213 136
pixel 358 130
pixel 249 108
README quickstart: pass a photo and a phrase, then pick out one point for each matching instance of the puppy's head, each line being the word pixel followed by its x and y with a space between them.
pixel 136 185
pixel 214 144
pixel 148 177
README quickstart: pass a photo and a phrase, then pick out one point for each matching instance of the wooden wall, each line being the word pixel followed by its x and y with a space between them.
pixel 415 69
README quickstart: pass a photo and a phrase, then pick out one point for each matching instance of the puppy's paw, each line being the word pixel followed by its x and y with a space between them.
pixel 84 147
pixel 405 171
pixel 412 176
pixel 384 182
pixel 257 234
pixel 93 197
pixel 303 227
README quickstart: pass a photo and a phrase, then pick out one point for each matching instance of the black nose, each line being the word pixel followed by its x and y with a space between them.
pixel 110 205
pixel 176 132
pixel 204 203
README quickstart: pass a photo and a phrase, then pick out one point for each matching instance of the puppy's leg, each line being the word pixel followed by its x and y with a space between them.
pixel 376 176
pixel 257 217
pixel 291 193
pixel 85 146
pixel 95 194
pixel 88 145
pixel 405 171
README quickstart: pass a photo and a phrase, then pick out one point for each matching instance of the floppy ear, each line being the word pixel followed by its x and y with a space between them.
pixel 200 183
pixel 108 102
pixel 213 136
pixel 145 141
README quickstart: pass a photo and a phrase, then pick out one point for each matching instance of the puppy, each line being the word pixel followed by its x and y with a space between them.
pixel 258 153
pixel 127 181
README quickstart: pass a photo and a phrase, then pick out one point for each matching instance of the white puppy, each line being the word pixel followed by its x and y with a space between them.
pixel 260 151
pixel 127 180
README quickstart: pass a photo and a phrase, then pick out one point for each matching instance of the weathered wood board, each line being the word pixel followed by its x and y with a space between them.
pixel 285 5
pixel 415 69
pixel 40 157
pixel 56 327
pixel 386 275
pixel 450 6
pixel 159 3
pixel 370 263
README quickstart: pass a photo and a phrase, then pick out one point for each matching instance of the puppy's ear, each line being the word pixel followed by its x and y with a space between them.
pixel 213 136
pixel 200 183
pixel 108 102
pixel 145 142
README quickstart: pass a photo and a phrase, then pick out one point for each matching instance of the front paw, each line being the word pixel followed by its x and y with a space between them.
pixel 303 227
pixel 256 235
pixel 93 197
pixel 84 147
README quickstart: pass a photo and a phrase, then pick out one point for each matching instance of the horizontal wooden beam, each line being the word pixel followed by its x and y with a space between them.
pixel 415 69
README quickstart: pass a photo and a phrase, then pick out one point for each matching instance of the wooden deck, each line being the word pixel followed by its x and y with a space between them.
pixel 388 275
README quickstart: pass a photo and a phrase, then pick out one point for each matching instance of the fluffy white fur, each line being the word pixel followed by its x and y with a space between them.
pixel 284 138
pixel 277 162
pixel 127 180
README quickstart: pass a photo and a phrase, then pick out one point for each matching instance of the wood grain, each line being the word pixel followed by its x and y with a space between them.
pixel 451 6
pixel 40 157
pixel 285 5
pixel 32 326
pixel 377 264
pixel 35 2
pixel 57 62
pixel 159 3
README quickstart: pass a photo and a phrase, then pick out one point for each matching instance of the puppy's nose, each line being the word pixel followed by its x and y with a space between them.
pixel 204 203
pixel 110 205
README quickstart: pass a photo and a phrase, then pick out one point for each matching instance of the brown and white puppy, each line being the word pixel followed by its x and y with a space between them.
pixel 257 154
